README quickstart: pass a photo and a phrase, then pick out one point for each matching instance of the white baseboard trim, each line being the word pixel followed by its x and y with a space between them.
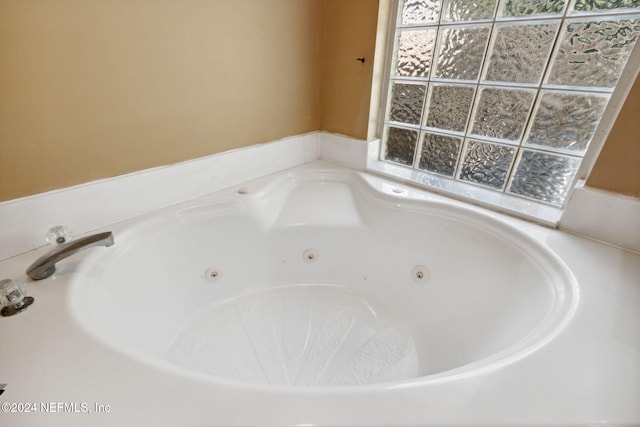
pixel 343 150
pixel 603 216
pixel 97 204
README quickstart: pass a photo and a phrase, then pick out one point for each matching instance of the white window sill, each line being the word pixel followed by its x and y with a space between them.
pixel 527 209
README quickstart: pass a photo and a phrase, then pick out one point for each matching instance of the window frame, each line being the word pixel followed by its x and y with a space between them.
pixel 530 209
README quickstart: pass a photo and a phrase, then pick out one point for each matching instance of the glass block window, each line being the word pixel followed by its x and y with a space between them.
pixel 504 94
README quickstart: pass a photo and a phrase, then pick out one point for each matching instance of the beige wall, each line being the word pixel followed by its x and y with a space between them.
pixel 97 88
pixel 348 32
pixel 92 89
pixel 618 165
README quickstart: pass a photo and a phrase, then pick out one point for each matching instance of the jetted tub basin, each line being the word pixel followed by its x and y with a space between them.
pixel 322 278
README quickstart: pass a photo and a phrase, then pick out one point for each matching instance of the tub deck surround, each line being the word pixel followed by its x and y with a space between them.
pixel 588 373
pixel 319 280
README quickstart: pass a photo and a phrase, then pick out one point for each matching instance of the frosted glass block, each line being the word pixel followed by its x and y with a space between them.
pixel 502 113
pixel 544 176
pixel 461 51
pixel 532 7
pixel 440 154
pixel 401 145
pixel 486 164
pixel 566 120
pixel 416 12
pixel 407 101
pixel 519 52
pixel 603 5
pixel 593 53
pixel 468 10
pixel 449 106
pixel 415 50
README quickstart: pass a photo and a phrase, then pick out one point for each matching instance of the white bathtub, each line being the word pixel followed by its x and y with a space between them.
pixel 326 296
pixel 315 278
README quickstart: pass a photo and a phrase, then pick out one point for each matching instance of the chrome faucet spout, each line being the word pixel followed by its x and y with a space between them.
pixel 45 266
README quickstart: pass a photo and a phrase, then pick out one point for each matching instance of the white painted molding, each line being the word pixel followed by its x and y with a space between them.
pixel 604 216
pixel 97 204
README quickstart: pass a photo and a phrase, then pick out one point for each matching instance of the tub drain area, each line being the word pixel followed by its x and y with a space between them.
pixel 296 335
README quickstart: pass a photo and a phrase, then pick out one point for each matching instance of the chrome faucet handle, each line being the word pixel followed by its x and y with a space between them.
pixel 45 266
pixel 13 297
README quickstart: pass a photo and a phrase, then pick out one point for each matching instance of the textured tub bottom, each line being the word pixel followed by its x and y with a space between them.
pixel 300 335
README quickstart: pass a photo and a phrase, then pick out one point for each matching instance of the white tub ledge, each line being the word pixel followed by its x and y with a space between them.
pixel 58 369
